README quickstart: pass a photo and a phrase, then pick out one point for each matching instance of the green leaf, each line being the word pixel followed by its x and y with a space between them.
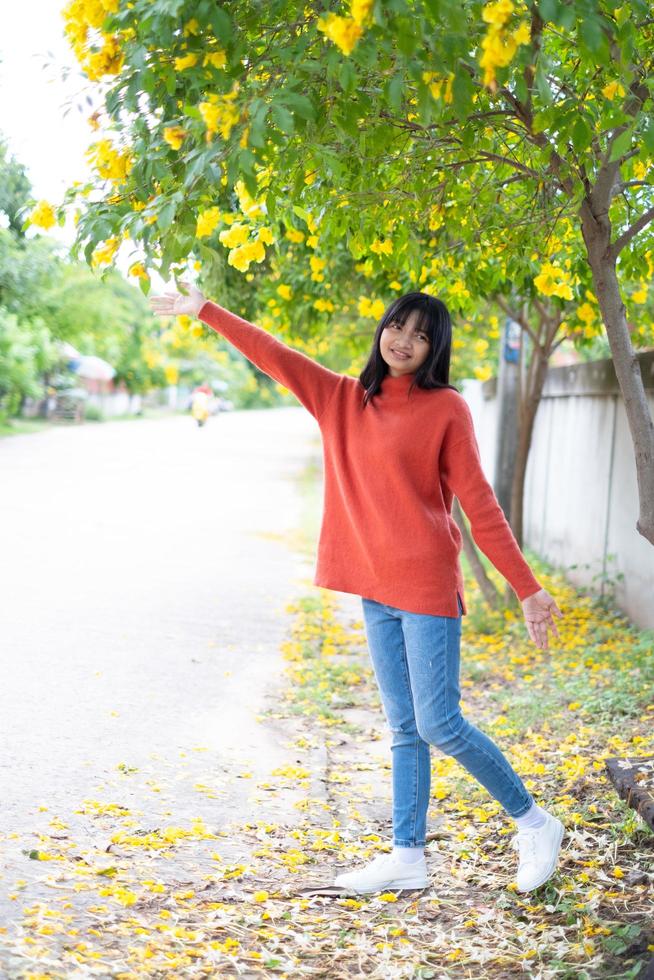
pixel 468 137
pixel 462 88
pixel 283 118
pixel 549 10
pixel 542 84
pixel 520 89
pixel 192 112
pixel 347 76
pixel 556 12
pixel 348 120
pixel 406 38
pixel 166 215
pixel 170 80
pixel 425 105
pixel 301 104
pixel 232 169
pixel 393 91
pixel 622 144
pixel 581 134
pixel 221 23
pixel 137 56
pixel 590 30
pixel 648 135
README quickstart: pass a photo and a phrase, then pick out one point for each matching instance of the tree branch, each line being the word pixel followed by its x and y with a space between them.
pixel 633 230
pixel 512 163
pixel 518 317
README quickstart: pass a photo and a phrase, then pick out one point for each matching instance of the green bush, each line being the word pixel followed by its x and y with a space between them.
pixel 92 413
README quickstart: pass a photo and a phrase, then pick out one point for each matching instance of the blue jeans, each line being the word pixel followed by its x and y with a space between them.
pixel 415 658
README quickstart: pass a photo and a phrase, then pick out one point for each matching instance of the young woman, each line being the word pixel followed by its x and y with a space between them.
pixel 398 445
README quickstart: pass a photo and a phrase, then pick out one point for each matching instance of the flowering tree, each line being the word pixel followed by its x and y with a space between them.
pixel 518 134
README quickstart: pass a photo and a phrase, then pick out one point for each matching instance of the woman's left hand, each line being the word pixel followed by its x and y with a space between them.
pixel 538 609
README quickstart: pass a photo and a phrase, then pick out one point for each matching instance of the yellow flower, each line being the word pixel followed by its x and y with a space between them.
pixel 640 296
pixel 244 255
pixel 499 49
pixel 43 215
pixel 260 896
pixel 108 61
pixel 553 281
pixel 343 31
pixel 108 161
pixel 586 313
pixel 458 288
pixel 207 221
pixel 522 34
pixel 360 10
pixel 284 291
pixel 324 305
pixel 103 254
pixel 219 113
pixel 612 89
pixel 187 61
pixel 174 136
pixel 216 58
pixel 382 248
pixel 236 235
pixel 192 27
pixel 138 270
pixel 265 234
pixel 497 13
pixel 370 308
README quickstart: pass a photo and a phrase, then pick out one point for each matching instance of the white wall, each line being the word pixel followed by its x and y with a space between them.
pixel 581 494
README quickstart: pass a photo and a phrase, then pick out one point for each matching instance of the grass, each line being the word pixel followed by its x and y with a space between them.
pixel 25 426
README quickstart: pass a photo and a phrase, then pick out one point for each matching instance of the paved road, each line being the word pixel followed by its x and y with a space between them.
pixel 142 594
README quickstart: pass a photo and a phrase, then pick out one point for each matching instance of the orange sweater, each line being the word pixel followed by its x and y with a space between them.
pixel 391 470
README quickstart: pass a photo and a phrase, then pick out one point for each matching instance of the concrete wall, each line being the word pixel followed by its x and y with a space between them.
pixel 581 495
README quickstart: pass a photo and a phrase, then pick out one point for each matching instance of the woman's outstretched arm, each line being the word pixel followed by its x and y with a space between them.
pixel 311 382
pixel 461 470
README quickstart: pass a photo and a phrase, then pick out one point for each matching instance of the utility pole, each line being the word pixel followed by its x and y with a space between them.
pixel 508 394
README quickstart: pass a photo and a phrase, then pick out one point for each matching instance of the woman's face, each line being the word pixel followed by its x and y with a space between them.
pixel 399 339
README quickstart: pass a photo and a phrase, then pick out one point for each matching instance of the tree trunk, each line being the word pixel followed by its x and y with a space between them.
pixel 489 592
pixel 528 404
pixel 601 257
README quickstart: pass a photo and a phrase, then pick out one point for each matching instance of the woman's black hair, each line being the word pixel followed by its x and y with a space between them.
pixel 434 320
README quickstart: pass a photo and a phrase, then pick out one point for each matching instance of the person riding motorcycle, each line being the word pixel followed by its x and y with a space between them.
pixel 200 404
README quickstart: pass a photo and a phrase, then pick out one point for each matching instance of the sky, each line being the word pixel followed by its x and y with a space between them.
pixel 42 90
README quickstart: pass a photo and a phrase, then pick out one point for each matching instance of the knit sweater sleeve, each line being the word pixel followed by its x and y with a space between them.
pixel 311 382
pixel 461 471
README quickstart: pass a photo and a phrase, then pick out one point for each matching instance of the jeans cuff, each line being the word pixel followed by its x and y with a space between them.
pixel 523 811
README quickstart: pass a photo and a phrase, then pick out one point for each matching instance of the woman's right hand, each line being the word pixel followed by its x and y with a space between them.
pixel 174 304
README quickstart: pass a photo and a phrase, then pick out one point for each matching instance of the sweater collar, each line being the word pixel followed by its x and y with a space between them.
pixel 399 384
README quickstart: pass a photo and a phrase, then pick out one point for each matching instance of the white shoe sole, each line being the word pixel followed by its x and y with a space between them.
pixel 551 866
pixel 393 883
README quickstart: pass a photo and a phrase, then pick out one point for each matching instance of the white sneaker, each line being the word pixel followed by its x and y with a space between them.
pixel 539 851
pixel 385 871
